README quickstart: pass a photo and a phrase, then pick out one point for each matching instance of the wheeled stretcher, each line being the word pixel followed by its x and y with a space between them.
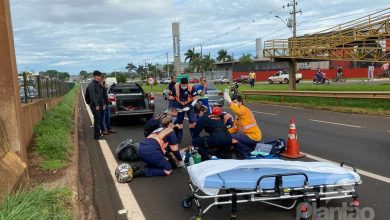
pixel 269 181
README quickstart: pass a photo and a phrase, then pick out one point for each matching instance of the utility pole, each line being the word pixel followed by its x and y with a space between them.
pixel 201 58
pixel 293 62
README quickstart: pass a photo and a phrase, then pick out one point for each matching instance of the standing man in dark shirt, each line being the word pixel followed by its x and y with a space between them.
pixel 171 96
pixel 95 98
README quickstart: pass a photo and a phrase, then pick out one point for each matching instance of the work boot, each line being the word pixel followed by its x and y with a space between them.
pixel 139 173
pixel 135 168
pixel 112 131
pixel 105 133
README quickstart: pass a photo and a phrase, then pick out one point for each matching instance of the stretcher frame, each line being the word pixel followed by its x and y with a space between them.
pixel 307 194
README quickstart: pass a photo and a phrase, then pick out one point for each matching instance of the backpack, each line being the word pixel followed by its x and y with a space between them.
pixel 86 96
pixel 127 150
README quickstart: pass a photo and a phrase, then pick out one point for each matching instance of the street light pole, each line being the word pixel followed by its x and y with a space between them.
pixel 167 66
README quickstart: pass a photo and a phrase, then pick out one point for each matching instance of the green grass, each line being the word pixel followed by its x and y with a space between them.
pixel 311 87
pixel 155 89
pixel 53 134
pixel 37 203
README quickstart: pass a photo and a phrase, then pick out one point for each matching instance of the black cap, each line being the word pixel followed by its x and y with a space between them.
pixel 97 73
pixel 184 80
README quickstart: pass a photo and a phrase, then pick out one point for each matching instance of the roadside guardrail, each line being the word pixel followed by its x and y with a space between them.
pixel 323 94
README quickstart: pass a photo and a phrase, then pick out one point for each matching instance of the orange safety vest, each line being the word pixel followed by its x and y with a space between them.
pixel 252 123
pixel 177 90
pixel 159 137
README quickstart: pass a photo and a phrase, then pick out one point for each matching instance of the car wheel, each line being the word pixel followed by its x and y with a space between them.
pixel 297 81
pixel 270 81
pixel 285 81
pixel 228 82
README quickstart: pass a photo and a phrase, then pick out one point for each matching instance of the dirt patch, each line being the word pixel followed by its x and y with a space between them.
pixel 38 175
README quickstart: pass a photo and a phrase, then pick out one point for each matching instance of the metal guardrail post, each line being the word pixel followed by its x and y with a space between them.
pixel 39 87
pixel 25 86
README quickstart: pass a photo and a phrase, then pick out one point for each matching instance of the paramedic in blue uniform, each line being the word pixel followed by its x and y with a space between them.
pixel 171 97
pixel 185 96
pixel 158 149
pixel 219 141
pixel 155 122
pixel 201 91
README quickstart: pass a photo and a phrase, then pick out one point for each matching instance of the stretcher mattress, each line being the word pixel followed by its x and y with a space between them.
pixel 246 179
pixel 212 175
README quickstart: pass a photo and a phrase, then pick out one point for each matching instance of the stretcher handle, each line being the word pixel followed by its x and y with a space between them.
pixel 281 175
pixel 350 164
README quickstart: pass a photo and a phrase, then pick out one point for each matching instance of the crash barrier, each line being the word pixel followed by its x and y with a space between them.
pixel 42 87
pixel 322 94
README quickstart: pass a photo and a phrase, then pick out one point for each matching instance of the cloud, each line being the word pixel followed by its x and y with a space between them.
pixel 107 34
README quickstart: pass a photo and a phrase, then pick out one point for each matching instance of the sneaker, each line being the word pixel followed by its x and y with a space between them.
pixel 105 132
pixel 111 131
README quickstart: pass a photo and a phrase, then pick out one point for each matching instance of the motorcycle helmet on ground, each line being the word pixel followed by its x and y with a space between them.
pixel 124 173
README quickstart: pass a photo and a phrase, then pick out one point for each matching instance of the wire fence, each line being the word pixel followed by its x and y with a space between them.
pixel 42 87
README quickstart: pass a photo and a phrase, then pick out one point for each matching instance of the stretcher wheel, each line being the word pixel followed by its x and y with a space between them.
pixel 187 203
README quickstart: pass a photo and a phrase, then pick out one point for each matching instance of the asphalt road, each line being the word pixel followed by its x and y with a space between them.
pixel 363 140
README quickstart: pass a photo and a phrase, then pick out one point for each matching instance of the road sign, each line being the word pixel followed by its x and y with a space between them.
pixel 151 80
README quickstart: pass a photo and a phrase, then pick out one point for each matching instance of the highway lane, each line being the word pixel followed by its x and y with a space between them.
pixel 159 198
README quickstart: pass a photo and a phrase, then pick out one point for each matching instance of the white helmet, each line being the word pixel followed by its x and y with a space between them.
pixel 124 173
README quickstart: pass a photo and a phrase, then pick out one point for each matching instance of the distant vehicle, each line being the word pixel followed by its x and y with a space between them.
pixel 324 80
pixel 166 81
pixel 129 99
pixel 110 81
pixel 242 79
pixel 283 77
pixel 221 80
pixel 83 82
pixel 194 80
pixel 32 92
pixel 23 97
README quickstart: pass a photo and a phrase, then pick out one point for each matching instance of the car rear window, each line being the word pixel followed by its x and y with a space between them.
pixel 126 89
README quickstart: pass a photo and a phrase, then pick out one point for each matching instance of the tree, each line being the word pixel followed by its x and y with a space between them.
pixel 190 55
pixel 222 54
pixel 246 60
pixel 208 63
pixel 121 78
pixel 130 67
pixel 84 74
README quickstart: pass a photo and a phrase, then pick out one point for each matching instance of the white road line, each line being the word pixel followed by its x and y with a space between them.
pixel 124 192
pixel 265 113
pixel 362 172
pixel 334 123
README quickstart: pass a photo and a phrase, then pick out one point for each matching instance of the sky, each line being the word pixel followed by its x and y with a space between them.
pixel 74 35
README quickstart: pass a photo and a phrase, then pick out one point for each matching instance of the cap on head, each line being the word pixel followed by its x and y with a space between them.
pixel 97 73
pixel 216 111
pixel 183 80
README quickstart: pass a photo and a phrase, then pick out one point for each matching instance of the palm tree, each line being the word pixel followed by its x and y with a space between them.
pixel 130 67
pixel 246 60
pixel 223 56
pixel 208 63
pixel 190 55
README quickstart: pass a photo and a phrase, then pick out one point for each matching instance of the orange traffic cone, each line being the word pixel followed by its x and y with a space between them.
pixel 292 150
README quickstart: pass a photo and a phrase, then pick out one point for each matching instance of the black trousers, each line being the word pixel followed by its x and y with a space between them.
pixel 96 121
pixel 215 145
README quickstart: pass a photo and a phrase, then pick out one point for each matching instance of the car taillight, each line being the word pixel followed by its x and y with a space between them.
pixel 112 99
pixel 151 99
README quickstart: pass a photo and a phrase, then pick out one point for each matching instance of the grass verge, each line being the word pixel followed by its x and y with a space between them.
pixel 37 203
pixel 53 134
pixel 358 106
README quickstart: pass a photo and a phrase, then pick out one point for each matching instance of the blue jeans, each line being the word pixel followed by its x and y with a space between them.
pixel 105 119
pixel 245 145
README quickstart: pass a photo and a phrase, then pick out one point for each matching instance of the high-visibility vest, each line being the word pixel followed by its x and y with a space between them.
pixel 159 137
pixel 177 90
pixel 252 122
